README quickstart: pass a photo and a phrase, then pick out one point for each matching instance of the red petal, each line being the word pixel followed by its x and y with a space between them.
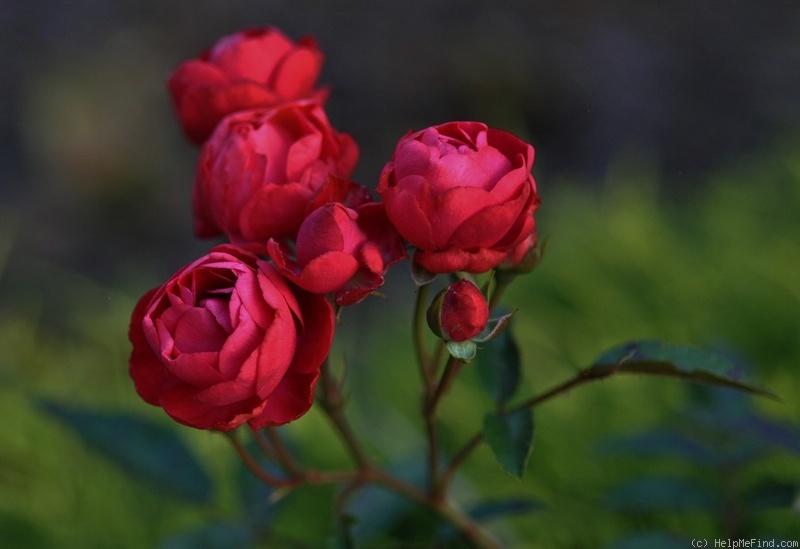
pixel 290 400
pixel 455 259
pixel 180 403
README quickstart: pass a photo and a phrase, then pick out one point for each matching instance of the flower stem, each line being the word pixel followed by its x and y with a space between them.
pixel 471 530
pixel 332 402
pixel 257 470
pixel 282 454
pixel 450 372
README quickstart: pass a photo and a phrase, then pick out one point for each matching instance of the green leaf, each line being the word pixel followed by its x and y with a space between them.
pixel 257 498
pixel 146 450
pixel 18 530
pixel 343 537
pixel 771 495
pixel 499 367
pixel 305 516
pixel 655 494
pixel 378 510
pixel 659 443
pixel 510 436
pixel 502 508
pixel 212 536
pixel 672 360
pixel 651 540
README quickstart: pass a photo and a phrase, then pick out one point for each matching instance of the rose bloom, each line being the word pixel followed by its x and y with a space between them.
pixel 462 193
pixel 459 312
pixel 344 246
pixel 250 69
pixel 226 341
pixel 260 169
pixel 519 256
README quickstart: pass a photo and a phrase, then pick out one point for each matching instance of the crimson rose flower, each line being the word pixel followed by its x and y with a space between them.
pixel 518 257
pixel 227 341
pixel 261 168
pixel 344 246
pixel 462 193
pixel 254 68
pixel 459 312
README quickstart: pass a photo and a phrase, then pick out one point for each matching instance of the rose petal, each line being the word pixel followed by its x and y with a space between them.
pixel 406 213
pixel 326 273
pixel 290 400
pixel 295 74
pixel 274 211
pixel 455 259
pixel 181 405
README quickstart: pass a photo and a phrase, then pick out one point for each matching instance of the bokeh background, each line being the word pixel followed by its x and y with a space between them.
pixel 668 159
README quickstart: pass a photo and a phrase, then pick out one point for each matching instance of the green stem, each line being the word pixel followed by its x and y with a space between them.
pixel 503 281
pixel 450 372
pixel 583 376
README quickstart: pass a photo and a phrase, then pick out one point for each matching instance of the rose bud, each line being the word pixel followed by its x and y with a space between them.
pixel 459 312
pixel 260 170
pixel 341 249
pixel 226 340
pixel 462 193
pixel 254 68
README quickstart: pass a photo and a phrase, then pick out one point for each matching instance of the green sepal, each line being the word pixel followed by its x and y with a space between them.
pixel 494 328
pixel 463 350
pixel 420 275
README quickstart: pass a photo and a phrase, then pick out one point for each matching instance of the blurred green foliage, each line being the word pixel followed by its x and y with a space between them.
pixel 628 261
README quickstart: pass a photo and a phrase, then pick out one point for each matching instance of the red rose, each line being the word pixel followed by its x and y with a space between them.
pixel 520 254
pixel 260 169
pixel 459 312
pixel 227 341
pixel 462 194
pixel 254 68
pixel 344 246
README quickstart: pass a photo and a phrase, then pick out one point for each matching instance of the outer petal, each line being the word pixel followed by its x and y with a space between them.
pixel 274 210
pixel 372 218
pixel 406 212
pixel 297 73
pixel 148 373
pixel 251 54
pixel 456 259
pixel 316 336
pixel 290 400
pixel 489 225
pixel 180 403
pixel 326 273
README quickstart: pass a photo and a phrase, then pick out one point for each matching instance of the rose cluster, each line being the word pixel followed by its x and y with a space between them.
pixel 239 335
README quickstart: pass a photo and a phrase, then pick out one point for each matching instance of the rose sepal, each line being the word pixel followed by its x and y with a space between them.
pixel 464 351
pixel 494 327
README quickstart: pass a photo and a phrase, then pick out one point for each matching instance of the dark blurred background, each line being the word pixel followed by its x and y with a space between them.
pixel 97 174
pixel 667 137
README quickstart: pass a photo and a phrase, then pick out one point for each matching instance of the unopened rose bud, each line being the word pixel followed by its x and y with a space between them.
pixel 459 312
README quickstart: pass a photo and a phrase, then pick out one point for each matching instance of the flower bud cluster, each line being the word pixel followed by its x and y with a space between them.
pixel 239 335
